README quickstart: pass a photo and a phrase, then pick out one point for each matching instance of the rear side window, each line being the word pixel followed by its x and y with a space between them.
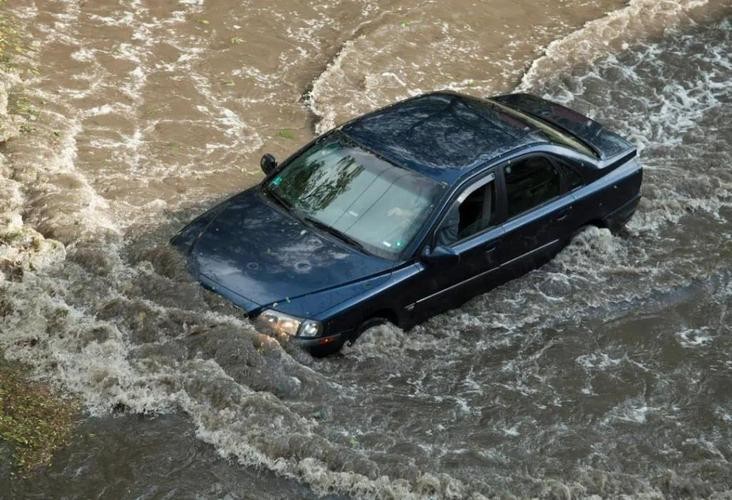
pixel 529 183
pixel 572 178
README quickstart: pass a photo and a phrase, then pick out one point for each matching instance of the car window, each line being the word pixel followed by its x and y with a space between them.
pixel 529 183
pixel 573 178
pixel 469 215
pixel 348 190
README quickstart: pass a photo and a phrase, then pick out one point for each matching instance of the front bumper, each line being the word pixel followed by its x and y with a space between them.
pixel 318 342
pixel 248 306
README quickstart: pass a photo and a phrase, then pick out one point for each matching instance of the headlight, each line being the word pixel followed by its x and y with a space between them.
pixel 309 328
pixel 271 322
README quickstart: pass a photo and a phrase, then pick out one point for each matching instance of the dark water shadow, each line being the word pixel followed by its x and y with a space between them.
pixel 146 457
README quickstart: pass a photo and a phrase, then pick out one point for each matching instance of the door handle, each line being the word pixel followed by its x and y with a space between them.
pixel 563 214
pixel 489 250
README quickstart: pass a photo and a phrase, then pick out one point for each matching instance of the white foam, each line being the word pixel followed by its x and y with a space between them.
pixel 599 37
pixel 694 337
pixel 632 411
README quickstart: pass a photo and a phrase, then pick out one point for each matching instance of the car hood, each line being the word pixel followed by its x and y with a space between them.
pixel 263 255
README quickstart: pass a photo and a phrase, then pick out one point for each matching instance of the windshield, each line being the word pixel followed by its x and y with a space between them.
pixel 356 195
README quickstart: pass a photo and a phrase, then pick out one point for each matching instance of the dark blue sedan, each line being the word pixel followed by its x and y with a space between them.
pixel 408 211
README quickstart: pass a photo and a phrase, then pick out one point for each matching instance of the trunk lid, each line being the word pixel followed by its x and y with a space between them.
pixel 608 145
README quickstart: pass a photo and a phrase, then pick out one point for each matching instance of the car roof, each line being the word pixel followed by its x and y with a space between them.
pixel 443 135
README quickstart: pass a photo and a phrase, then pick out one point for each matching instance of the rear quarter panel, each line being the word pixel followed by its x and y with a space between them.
pixel 611 197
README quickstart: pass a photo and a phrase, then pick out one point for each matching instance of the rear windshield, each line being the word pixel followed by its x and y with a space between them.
pixel 555 135
pixel 336 183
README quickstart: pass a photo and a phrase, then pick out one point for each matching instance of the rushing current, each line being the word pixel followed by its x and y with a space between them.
pixel 606 372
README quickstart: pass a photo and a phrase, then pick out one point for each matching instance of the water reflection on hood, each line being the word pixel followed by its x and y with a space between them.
pixel 255 250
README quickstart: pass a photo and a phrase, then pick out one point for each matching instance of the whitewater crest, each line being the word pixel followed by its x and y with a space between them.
pixel 637 21
pixel 22 248
pixel 119 324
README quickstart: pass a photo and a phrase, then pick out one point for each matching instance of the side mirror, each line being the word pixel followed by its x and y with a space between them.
pixel 268 163
pixel 440 255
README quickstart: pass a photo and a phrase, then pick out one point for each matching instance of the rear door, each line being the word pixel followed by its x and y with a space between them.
pixel 538 210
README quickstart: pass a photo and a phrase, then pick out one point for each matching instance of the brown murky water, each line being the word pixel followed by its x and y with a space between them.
pixel 607 372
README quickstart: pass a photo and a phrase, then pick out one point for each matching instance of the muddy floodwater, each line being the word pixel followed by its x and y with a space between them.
pixel 606 372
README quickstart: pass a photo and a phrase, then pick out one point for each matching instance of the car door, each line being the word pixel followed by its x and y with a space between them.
pixel 538 207
pixel 470 233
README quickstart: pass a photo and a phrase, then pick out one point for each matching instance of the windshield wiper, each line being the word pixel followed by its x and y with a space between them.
pixel 277 198
pixel 331 230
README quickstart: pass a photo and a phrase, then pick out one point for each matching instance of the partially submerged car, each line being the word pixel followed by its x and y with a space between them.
pixel 408 211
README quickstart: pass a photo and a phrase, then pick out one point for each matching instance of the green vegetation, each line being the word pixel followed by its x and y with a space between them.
pixel 10 40
pixel 12 45
pixel 286 133
pixel 19 104
pixel 33 420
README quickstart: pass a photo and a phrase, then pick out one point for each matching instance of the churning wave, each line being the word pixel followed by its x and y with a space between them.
pixel 559 383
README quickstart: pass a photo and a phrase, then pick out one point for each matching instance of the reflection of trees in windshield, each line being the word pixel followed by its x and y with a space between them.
pixel 365 199
pixel 313 185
